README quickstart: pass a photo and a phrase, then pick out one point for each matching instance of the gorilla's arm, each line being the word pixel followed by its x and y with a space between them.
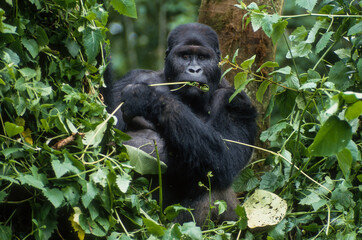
pixel 196 146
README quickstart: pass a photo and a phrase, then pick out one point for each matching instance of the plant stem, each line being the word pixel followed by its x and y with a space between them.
pixel 159 180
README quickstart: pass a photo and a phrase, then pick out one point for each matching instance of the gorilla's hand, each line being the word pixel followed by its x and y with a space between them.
pixel 137 100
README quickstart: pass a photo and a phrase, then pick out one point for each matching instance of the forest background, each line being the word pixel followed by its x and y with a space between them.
pixel 60 178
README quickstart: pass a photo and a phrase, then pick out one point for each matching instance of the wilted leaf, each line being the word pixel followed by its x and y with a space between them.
pixel 264 209
pixel 74 220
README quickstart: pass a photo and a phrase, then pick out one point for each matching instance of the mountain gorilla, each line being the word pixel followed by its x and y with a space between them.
pixel 188 122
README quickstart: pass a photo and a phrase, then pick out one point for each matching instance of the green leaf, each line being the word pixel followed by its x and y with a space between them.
pixel 239 79
pixel 235 56
pixel 100 177
pixel 222 206
pixel 31 45
pixel 332 137
pixel 359 68
pixel 261 90
pixel 313 32
pixel 246 65
pixel 300 50
pixel 246 181
pixel 142 162
pixel 285 70
pixel 153 227
pixel 310 199
pixel 92 39
pixel 13 129
pixel 192 231
pixel 73 48
pixel 322 43
pixel 7 28
pixel 345 162
pixel 278 30
pixel 42 36
pixel 31 181
pixel 9 56
pixel 241 88
pixel 269 181
pixel 171 212
pixel 5 232
pixel 267 23
pixel 125 7
pixel 338 74
pixel 90 193
pixel 307 4
pixel 268 64
pixel 256 21
pixel 123 182
pixel 354 111
pixel 28 73
pixel 298 34
pixel 355 29
pixel 55 196
pixel 95 137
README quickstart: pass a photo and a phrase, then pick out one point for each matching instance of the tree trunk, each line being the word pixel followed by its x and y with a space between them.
pixel 226 20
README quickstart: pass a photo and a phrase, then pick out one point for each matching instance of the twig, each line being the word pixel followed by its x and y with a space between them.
pixel 279 155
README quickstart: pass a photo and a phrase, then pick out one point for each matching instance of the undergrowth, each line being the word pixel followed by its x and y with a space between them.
pixel 64 173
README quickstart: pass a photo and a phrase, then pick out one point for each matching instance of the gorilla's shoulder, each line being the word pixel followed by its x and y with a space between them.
pixel 144 76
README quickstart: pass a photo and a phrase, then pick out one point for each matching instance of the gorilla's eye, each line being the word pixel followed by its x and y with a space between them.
pixel 185 56
pixel 202 57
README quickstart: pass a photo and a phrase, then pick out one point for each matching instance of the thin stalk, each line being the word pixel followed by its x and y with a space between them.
pixel 279 155
pixel 159 180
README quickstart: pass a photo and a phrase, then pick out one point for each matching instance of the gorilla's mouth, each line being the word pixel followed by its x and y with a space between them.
pixel 202 86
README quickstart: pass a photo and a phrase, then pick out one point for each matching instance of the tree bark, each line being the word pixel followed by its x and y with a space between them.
pixel 227 21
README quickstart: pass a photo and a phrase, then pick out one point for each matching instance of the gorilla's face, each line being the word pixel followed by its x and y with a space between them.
pixel 193 56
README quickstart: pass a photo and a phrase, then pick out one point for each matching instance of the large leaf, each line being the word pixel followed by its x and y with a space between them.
pixel 125 7
pixel 13 129
pixel 264 209
pixel 307 4
pixel 331 138
pixel 95 137
pixel 142 162
pixel 55 196
pixel 345 161
pixel 91 40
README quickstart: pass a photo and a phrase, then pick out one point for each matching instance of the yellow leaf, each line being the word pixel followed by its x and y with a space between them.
pixel 27 136
pixel 74 220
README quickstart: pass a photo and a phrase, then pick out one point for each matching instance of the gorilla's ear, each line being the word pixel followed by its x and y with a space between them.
pixel 218 53
pixel 167 52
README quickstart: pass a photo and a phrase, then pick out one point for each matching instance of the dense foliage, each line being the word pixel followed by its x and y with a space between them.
pixel 317 143
pixel 64 172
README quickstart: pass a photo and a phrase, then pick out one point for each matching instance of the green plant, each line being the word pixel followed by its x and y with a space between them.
pixel 318 129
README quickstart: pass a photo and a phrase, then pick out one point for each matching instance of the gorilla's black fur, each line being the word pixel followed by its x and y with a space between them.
pixel 188 123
